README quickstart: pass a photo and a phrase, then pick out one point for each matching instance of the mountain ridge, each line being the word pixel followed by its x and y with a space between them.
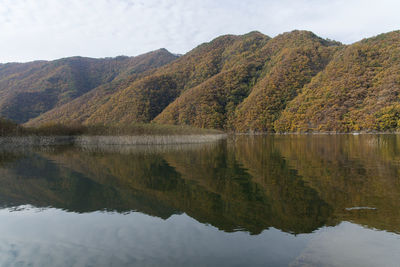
pixel 294 82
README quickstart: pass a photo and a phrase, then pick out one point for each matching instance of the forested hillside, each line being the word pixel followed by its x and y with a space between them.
pixel 27 90
pixel 143 99
pixel 358 90
pixel 251 95
pixel 294 82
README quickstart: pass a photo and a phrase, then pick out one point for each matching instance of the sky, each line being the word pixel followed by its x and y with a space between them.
pixel 51 29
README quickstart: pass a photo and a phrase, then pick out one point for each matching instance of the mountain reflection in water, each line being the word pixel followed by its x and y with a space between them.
pixel 290 184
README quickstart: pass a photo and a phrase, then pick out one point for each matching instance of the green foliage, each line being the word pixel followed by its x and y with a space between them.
pixel 9 128
pixel 388 118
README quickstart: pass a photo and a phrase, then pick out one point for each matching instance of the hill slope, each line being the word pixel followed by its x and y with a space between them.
pixel 30 89
pixel 264 82
pixel 296 81
pixel 358 90
pixel 143 99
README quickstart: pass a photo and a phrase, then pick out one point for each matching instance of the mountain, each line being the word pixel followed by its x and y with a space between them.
pixel 249 95
pixel 358 90
pixel 143 99
pixel 29 89
pixel 294 82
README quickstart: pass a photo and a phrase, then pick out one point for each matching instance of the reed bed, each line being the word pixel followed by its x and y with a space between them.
pixel 29 141
pixel 98 141
pixel 146 149
pixel 147 139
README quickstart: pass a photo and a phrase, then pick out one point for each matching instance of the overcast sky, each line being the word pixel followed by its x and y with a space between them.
pixel 50 29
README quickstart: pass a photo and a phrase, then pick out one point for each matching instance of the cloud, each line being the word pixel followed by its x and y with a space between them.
pixel 48 29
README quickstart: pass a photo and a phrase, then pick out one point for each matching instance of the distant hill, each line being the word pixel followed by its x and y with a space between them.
pixel 294 82
pixel 28 90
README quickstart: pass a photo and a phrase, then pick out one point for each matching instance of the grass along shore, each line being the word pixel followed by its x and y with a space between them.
pixel 9 128
pixel 98 141
pixel 12 134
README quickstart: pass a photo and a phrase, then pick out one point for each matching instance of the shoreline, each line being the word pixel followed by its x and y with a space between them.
pixel 316 133
pixel 132 140
pixel 88 140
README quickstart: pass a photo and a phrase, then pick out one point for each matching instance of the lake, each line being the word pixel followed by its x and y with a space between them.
pixel 291 200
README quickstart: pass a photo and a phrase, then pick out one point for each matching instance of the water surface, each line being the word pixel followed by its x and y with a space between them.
pixel 247 201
